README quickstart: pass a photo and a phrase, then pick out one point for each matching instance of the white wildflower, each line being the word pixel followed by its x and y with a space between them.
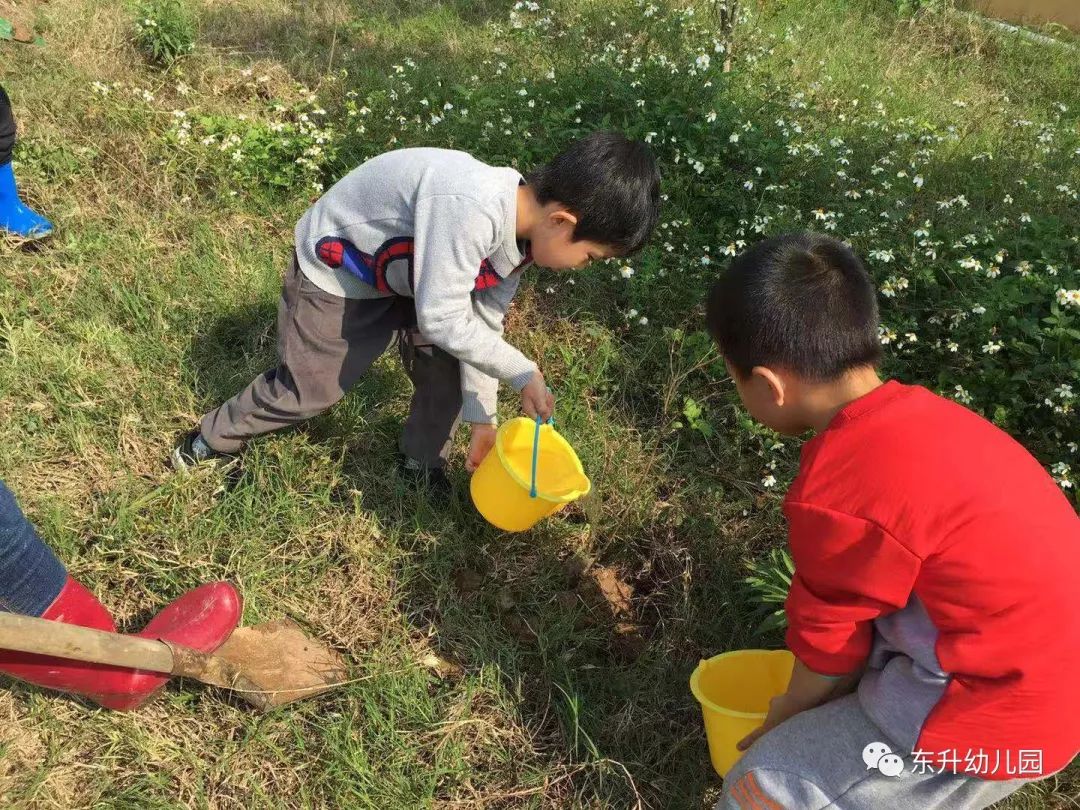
pixel 893 285
pixel 1068 298
pixel 1062 474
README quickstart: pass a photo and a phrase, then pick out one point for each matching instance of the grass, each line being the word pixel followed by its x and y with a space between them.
pixel 485 674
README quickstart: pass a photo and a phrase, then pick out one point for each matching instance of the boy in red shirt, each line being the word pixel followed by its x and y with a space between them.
pixel 936 563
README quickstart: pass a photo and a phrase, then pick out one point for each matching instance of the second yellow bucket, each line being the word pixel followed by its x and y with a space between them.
pixel 734 690
pixel 502 483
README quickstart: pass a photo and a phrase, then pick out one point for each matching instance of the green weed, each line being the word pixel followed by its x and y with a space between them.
pixel 164 30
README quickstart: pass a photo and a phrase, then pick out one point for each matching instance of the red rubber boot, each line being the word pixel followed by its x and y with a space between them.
pixel 202 619
pixel 74 605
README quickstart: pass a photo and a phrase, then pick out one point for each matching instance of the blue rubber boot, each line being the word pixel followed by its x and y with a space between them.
pixel 15 217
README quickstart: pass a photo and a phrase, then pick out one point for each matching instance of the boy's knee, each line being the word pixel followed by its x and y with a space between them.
pixel 318 398
pixel 311 393
pixel 780 770
pixel 756 788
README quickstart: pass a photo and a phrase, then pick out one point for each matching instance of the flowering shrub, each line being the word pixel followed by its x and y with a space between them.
pixel 969 236
pixel 282 147
pixel 164 30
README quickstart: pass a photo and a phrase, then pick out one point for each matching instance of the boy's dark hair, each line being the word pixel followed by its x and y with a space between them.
pixel 803 302
pixel 612 185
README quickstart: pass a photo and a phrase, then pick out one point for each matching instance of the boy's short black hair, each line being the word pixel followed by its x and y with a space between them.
pixel 612 185
pixel 802 302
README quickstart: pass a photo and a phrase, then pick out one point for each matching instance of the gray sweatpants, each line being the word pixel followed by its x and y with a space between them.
pixel 814 761
pixel 325 343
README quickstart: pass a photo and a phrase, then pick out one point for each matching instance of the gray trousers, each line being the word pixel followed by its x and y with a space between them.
pixel 814 761
pixel 325 343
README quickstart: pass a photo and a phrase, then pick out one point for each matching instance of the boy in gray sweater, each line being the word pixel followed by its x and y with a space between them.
pixel 429 245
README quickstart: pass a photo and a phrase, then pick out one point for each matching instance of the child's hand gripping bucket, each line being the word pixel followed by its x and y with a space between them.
pixel 734 690
pixel 532 473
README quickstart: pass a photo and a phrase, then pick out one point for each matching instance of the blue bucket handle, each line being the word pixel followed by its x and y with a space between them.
pixel 536 452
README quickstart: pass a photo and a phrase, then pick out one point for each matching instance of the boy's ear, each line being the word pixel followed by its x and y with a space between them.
pixel 773 382
pixel 560 216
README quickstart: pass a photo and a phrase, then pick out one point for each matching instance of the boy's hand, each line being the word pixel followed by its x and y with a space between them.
pixel 536 400
pixel 781 708
pixel 806 690
pixel 483 439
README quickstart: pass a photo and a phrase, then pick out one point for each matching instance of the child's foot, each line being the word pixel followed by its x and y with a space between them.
pixel 421 476
pixel 202 619
pixel 16 218
pixel 193 450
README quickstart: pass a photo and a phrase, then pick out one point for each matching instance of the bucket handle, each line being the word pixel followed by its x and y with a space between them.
pixel 536 452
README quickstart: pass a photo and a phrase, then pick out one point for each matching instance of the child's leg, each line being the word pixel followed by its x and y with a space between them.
pixel 34 582
pixel 325 344
pixel 15 217
pixel 31 576
pixel 815 761
pixel 7 129
pixel 436 404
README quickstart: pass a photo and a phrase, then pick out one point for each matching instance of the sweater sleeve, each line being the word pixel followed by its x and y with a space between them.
pixel 452 237
pixel 480 391
pixel 848 572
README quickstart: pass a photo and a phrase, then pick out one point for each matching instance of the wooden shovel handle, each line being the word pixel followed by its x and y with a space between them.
pixel 44 637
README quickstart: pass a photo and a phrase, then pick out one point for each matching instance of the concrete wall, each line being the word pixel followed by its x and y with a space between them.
pixel 1065 12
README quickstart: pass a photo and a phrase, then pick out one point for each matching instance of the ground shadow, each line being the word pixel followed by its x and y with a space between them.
pixel 598 646
pixel 226 356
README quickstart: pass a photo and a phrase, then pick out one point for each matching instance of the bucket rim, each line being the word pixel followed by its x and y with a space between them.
pixel 695 682
pixel 573 495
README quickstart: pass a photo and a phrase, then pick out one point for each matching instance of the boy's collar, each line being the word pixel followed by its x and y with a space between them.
pixel 513 252
pixel 867 403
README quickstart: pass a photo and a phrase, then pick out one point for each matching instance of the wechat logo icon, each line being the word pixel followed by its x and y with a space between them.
pixel 878 756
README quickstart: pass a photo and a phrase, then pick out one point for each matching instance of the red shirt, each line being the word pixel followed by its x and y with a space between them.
pixel 907 494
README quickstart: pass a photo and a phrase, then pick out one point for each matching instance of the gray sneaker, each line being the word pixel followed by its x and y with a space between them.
pixel 420 476
pixel 193 450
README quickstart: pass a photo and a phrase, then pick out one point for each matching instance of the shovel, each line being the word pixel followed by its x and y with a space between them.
pixel 268 665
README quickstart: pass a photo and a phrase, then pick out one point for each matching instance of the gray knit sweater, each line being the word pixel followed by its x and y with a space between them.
pixel 439 226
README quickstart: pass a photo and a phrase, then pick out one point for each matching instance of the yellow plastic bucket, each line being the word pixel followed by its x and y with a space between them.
pixel 501 484
pixel 734 690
